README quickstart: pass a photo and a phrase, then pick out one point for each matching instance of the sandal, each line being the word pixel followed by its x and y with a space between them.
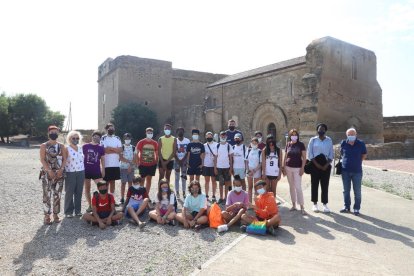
pixel 56 219
pixel 46 220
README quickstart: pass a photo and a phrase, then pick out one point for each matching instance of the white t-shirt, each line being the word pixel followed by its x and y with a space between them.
pixel 111 159
pixel 223 161
pixel 182 147
pixel 208 157
pixel 239 156
pixel 253 158
pixel 165 202
pixel 272 166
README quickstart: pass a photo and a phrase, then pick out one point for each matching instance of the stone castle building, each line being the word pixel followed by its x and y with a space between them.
pixel 335 82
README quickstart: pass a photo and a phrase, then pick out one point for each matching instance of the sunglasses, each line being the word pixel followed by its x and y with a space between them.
pixel 75 139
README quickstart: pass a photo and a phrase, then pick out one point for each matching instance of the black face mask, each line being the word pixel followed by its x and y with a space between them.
pixel 209 139
pixel 232 128
pixel 103 191
pixel 53 136
pixel 321 133
pixel 238 142
pixel 180 134
pixel 111 131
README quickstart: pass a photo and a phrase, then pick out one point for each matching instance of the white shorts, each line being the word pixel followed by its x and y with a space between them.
pixel 240 172
pixel 257 174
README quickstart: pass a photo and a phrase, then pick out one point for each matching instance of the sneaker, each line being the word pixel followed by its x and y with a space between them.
pixel 326 209
pixel 142 225
pixel 243 228
pixel 213 199
pixel 356 212
pixel 220 201
pixel 271 230
pixel 79 214
pixel 116 222
pixel 197 227
pixel 172 222
pixel 222 228
pixel 344 210
pixel 122 201
pixel 89 210
pixel 69 216
pixel 315 208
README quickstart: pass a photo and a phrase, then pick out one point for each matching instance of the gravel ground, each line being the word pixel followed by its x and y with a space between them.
pixel 76 248
pixel 398 183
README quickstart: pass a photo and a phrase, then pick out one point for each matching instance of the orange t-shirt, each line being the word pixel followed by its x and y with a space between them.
pixel 266 205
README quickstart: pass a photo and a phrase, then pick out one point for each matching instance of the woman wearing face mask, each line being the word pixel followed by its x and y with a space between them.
pixel 194 210
pixel 164 212
pixel 236 205
pixel 210 154
pixel 53 158
pixel 94 164
pixel 293 167
pixel 265 208
pixel 320 152
pixel 271 161
pixel 75 175
pixel 254 165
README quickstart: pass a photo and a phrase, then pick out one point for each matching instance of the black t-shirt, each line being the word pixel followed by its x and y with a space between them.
pixel 195 149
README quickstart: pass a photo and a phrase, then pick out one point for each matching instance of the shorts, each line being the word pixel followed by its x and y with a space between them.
pixel 271 177
pixel 112 173
pixel 135 206
pixel 194 171
pixel 257 174
pixel 145 171
pixel 127 176
pixel 170 164
pixel 103 215
pixel 92 176
pixel 193 213
pixel 240 172
pixel 223 175
pixel 208 171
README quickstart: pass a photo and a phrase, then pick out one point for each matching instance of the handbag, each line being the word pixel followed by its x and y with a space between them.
pixel 257 228
pixel 308 167
pixel 338 167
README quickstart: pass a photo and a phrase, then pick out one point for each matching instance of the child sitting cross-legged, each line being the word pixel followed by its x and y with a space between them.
pixel 165 205
pixel 136 201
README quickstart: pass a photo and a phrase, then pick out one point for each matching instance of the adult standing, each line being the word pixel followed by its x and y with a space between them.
pixel 232 131
pixel 53 158
pixel 353 152
pixel 320 152
pixel 180 162
pixel 113 147
pixel 166 151
pixel 261 145
pixel 147 157
pixel 293 167
pixel 94 164
pixel 75 175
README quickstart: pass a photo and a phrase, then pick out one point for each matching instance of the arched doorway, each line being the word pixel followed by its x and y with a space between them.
pixel 271 129
pixel 270 118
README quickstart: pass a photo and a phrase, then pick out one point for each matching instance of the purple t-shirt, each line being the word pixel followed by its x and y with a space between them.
pixel 233 197
pixel 294 154
pixel 92 159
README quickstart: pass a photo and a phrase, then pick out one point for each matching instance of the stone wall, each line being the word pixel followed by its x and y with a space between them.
pixel 393 150
pixel 399 129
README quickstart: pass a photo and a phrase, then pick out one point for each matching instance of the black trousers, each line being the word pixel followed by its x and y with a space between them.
pixel 320 176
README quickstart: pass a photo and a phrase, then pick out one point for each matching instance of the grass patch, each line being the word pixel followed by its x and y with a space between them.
pixel 407 195
pixel 368 183
pixel 388 188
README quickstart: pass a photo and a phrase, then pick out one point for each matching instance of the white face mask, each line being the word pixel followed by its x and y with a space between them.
pixel 253 146
pixel 149 135
pixel 223 139
pixel 167 132
pixel 260 139
pixel 261 191
pixel 136 186
pixel 195 137
pixel 238 189
pixel 127 142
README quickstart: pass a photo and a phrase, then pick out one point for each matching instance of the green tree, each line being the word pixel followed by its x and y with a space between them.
pixel 50 118
pixel 133 118
pixel 4 117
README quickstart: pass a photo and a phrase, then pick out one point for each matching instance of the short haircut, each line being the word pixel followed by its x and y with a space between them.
pixel 137 179
pixel 179 128
pixel 97 132
pixel 149 129
pixel 322 125
pixel 194 130
pixel 71 134
pixel 258 132
pixel 254 139
pixel 232 121
pixel 108 125
pixel 167 125
pixel 351 129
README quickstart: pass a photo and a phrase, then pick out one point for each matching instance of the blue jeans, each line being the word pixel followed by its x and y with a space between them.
pixel 356 179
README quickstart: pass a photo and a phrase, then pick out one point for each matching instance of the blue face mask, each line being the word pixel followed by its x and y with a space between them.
pixel 261 191
pixel 351 138
pixel 165 190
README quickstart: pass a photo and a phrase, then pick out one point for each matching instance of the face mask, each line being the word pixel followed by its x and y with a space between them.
pixel 294 138
pixel 254 146
pixel 237 142
pixel 75 142
pixel 238 189
pixel 165 190
pixel 102 192
pixel 127 142
pixel 351 138
pixel 321 133
pixel 260 139
pixel 96 140
pixel 136 186
pixel 53 136
pixel 195 137
pixel 149 135
pixel 232 128
pixel 194 191
pixel 111 131
pixel 167 132
pixel 180 134
pixel 261 191
pixel 223 139
pixel 209 139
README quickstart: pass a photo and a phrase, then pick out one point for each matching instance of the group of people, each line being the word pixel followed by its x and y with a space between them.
pixel 107 158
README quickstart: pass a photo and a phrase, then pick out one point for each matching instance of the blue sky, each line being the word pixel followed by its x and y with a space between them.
pixel 53 48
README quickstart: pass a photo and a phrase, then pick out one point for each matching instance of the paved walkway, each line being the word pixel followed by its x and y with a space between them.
pixel 402 165
pixel 379 242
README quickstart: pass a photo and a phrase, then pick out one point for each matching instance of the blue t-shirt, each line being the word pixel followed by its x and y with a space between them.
pixel 352 156
pixel 230 136
pixel 195 149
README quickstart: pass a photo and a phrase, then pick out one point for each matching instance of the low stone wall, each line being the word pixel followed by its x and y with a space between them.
pixel 387 150
pixel 398 129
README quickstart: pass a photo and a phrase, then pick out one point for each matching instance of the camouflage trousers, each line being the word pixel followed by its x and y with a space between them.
pixel 52 192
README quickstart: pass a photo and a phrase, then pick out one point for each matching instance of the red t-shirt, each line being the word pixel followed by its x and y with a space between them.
pixel 148 150
pixel 104 203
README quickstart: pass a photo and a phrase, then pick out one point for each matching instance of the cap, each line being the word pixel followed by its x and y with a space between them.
pixel 194 130
pixel 52 127
pixel 238 135
pixel 260 182
pixel 101 183
pixel 209 133
pixel 223 133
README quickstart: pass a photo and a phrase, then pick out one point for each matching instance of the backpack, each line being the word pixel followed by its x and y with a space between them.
pixel 228 147
pixel 260 153
pixel 215 218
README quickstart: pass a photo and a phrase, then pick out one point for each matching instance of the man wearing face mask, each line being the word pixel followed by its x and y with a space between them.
pixel 127 158
pixel 166 152
pixel 113 147
pixel 180 162
pixel 147 157
pixel 232 131
pixel 320 152
pixel 94 164
pixel 353 152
